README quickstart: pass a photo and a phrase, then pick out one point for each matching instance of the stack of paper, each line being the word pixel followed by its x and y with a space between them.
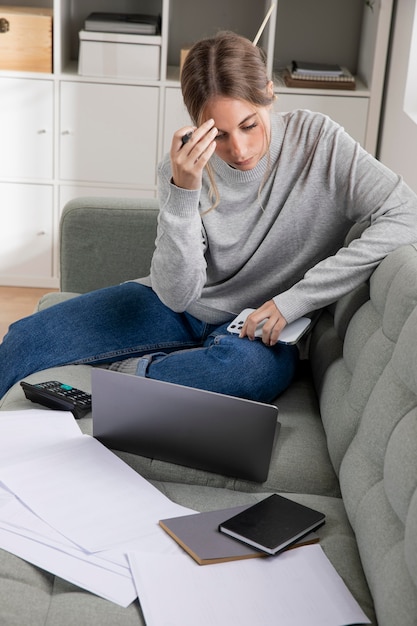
pixel 70 506
pixel 79 509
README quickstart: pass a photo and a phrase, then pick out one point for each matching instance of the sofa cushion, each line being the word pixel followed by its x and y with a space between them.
pixel 379 484
pixel 369 341
pixel 87 240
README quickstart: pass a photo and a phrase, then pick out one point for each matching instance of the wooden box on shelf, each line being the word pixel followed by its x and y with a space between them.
pixel 25 39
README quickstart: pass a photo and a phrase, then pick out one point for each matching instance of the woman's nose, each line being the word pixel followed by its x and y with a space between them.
pixel 237 147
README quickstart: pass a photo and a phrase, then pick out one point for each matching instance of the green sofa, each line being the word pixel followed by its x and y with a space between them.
pixel 347 444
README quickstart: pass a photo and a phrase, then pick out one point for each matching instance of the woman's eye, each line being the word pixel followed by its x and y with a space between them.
pixel 221 136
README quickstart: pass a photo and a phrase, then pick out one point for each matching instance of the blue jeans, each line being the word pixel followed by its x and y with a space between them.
pixel 129 320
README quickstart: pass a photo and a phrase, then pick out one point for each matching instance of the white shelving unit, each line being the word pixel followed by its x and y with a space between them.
pixel 66 135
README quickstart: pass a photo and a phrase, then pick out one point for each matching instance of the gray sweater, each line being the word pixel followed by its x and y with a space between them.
pixel 279 230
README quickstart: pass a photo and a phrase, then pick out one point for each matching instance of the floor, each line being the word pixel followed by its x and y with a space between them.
pixel 17 302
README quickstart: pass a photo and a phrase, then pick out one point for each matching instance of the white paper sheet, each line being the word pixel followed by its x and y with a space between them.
pixel 23 432
pixel 102 582
pixel 27 536
pixel 296 588
pixel 17 518
pixel 69 476
pixel 88 494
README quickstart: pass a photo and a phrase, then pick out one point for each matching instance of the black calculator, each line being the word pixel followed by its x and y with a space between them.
pixel 58 396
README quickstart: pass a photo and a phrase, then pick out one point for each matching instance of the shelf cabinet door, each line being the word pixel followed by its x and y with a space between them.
pixel 26 234
pixel 109 133
pixel 26 143
pixel 349 112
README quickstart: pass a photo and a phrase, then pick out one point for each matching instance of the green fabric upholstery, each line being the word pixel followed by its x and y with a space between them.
pixel 122 251
pixel 348 439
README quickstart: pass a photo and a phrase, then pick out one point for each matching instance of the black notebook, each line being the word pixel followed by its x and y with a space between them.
pixel 273 524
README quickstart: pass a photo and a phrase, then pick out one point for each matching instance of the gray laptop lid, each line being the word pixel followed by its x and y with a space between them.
pixel 182 425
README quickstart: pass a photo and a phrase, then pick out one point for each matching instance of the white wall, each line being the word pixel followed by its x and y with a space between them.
pixel 398 139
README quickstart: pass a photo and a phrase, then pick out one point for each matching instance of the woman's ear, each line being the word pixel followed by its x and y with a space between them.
pixel 270 92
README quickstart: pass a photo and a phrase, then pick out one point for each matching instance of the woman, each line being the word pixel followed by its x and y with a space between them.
pixel 254 210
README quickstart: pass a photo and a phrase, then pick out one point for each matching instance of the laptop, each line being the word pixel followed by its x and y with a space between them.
pixel 183 425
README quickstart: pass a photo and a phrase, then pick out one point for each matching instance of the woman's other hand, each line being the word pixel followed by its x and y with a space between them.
pixel 272 328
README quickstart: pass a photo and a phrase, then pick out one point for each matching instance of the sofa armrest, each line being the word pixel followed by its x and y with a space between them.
pixel 105 241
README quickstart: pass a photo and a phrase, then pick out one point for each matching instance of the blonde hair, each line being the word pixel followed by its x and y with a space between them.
pixel 226 65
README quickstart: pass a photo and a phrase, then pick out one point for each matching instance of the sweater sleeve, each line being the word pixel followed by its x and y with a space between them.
pixel 178 268
pixel 374 195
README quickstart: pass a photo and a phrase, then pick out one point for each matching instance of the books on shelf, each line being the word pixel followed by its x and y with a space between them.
pixel 318 76
pixel 273 524
pixel 198 534
pixel 127 23
pixel 307 68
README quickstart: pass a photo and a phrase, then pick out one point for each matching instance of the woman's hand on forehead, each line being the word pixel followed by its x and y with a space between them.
pixel 191 150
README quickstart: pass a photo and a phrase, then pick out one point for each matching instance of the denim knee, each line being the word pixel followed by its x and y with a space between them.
pixel 254 370
pixel 226 364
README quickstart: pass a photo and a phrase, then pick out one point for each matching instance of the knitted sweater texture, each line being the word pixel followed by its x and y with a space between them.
pixel 279 230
